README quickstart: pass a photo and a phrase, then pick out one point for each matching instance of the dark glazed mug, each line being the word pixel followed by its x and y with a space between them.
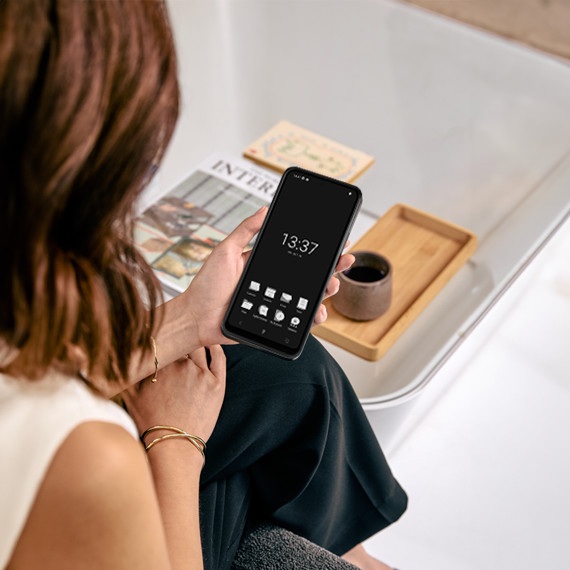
pixel 365 288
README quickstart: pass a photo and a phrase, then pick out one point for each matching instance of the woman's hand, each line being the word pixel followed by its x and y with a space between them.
pixel 209 294
pixel 194 318
pixel 188 394
pixel 345 261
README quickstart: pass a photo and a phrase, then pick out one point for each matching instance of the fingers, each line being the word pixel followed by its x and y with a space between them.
pixel 344 262
pixel 321 315
pixel 246 255
pixel 218 363
pixel 244 233
pixel 332 287
pixel 198 357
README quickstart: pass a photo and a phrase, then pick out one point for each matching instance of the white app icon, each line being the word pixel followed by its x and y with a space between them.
pixel 302 304
pixel 254 286
pixel 295 321
pixel 245 304
pixel 279 315
pixel 263 310
pixel 270 292
pixel 286 298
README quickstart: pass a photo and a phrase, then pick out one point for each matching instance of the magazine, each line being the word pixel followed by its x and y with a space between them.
pixel 178 232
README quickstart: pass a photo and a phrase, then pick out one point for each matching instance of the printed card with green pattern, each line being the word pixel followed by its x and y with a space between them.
pixel 287 145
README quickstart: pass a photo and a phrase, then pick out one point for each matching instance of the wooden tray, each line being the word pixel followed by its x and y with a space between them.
pixel 425 253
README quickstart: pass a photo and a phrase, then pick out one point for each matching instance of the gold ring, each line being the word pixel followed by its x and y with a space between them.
pixel 187 356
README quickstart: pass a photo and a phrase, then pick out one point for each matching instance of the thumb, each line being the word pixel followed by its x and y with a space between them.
pixel 244 233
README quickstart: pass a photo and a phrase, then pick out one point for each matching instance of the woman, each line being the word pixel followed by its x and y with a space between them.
pixel 88 102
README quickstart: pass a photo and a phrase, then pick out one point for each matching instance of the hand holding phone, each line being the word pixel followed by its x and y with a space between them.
pixel 203 305
pixel 292 261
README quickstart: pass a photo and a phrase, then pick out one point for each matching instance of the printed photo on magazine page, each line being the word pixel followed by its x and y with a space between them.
pixel 178 231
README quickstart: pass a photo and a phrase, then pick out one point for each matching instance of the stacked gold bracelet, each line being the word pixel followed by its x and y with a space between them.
pixel 155 375
pixel 196 441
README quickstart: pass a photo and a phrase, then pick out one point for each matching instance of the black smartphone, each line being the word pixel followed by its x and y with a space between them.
pixel 293 258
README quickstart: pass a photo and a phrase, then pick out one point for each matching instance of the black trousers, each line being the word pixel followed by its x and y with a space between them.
pixel 293 447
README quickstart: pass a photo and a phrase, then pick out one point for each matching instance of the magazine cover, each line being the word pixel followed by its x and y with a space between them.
pixel 178 232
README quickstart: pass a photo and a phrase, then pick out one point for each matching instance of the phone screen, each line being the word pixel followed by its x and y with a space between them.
pixel 293 258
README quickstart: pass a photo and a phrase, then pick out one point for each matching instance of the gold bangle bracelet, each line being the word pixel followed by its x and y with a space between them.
pixel 156 428
pixel 174 429
pixel 155 377
pixel 178 435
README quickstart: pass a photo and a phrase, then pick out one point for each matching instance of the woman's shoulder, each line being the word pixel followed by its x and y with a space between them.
pixel 36 418
pixel 100 486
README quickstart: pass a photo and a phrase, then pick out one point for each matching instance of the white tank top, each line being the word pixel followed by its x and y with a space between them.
pixel 35 419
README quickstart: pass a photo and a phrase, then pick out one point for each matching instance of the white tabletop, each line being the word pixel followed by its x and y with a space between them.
pixel 462 124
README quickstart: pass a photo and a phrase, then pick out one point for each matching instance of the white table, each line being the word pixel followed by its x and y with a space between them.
pixel 463 125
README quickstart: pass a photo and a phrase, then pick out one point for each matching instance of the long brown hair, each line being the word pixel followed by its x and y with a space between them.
pixel 88 102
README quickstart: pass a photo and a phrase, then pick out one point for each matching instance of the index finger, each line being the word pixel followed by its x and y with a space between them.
pixel 245 232
pixel 218 362
pixel 345 261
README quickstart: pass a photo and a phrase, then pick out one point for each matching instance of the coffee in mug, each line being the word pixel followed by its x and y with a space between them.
pixel 365 288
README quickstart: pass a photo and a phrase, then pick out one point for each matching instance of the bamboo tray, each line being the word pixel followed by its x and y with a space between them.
pixel 425 253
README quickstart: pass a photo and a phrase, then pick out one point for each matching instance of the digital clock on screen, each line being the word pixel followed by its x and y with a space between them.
pixel 300 244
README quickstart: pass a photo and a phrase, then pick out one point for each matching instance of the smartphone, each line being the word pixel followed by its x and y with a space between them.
pixel 292 261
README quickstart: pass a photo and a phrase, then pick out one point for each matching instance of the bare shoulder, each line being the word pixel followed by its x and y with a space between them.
pixel 96 507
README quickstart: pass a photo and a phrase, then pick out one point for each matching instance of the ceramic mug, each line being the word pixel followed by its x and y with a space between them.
pixel 365 288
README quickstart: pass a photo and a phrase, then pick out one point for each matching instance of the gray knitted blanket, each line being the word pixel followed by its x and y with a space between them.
pixel 274 548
